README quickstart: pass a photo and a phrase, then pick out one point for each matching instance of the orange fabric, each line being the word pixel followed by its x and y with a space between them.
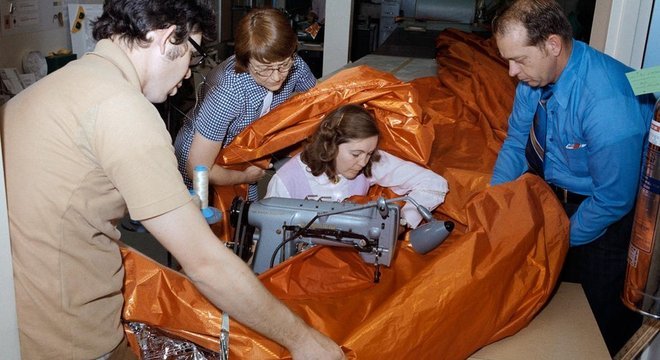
pixel 485 282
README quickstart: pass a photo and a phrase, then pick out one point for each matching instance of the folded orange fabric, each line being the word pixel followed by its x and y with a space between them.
pixel 480 285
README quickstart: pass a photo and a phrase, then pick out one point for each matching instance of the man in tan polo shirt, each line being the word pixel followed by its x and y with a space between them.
pixel 85 143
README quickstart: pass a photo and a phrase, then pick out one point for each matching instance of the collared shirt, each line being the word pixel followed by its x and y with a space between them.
pixel 597 130
pixel 401 176
pixel 232 102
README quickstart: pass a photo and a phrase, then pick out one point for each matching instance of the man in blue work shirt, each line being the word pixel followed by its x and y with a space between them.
pixel 577 124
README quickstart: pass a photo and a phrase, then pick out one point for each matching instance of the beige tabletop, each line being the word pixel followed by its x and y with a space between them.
pixel 404 68
pixel 564 329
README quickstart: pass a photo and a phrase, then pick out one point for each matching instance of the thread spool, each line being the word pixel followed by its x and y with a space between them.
pixel 201 189
pixel 201 184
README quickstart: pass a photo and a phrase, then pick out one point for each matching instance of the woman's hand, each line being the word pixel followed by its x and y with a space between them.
pixel 253 174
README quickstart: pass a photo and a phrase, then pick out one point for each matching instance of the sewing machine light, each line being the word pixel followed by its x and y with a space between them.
pixel 426 214
pixel 428 236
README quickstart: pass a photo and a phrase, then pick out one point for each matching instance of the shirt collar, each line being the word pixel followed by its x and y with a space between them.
pixel 111 52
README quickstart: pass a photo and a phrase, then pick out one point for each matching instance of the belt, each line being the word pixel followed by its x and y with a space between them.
pixel 566 196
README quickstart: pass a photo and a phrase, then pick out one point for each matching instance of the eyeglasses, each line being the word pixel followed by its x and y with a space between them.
pixel 267 72
pixel 200 57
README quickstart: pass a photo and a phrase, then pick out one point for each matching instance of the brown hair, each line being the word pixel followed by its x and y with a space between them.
pixel 264 35
pixel 346 123
pixel 541 18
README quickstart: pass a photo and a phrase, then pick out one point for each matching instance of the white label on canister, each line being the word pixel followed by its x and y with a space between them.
pixel 654 133
pixel 633 254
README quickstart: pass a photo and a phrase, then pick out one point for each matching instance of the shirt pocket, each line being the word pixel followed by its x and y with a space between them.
pixel 577 159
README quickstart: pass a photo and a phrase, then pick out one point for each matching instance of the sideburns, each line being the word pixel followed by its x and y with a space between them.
pixel 176 51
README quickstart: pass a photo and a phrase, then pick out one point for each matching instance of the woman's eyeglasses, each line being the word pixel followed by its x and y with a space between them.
pixel 267 72
pixel 198 58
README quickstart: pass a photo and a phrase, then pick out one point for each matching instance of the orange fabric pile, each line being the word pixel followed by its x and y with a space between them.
pixel 485 282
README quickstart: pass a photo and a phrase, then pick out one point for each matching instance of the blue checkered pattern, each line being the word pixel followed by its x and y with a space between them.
pixel 231 103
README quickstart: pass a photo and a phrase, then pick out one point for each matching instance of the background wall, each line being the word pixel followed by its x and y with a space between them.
pixel 49 36
pixel 620 29
pixel 46 36
pixel 652 55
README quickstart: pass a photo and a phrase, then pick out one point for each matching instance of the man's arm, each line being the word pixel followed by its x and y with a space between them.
pixel 229 284
pixel 511 161
pixel 614 170
pixel 614 133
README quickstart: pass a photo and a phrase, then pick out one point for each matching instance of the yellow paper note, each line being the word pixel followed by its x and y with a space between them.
pixel 645 81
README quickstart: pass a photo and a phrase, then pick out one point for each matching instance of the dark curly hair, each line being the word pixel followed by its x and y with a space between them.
pixel 131 20
pixel 541 18
pixel 264 35
pixel 346 123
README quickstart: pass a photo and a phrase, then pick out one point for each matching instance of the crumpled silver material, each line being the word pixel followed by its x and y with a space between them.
pixel 155 345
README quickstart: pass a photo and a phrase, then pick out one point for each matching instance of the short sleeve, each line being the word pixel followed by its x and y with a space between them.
pixel 134 149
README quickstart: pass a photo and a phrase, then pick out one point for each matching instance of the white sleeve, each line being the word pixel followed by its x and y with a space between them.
pixel 276 188
pixel 407 178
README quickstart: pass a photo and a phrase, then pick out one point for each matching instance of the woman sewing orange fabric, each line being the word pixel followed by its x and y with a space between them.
pixel 342 159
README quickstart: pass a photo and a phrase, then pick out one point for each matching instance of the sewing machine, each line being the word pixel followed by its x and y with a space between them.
pixel 287 226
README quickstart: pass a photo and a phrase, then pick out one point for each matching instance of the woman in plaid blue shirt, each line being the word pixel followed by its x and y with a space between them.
pixel 263 73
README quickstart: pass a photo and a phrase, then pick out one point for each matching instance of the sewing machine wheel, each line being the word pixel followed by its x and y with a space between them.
pixel 243 236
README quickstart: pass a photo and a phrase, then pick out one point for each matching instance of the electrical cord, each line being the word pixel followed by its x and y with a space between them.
pixel 292 237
